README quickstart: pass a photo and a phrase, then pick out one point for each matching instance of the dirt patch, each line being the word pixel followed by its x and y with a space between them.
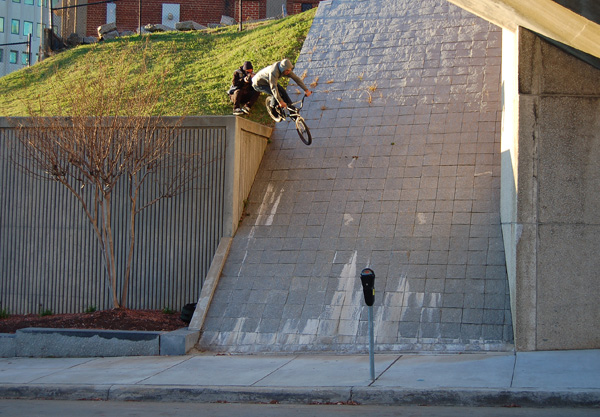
pixel 116 319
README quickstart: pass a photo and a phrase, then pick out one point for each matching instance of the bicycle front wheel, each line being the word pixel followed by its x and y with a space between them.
pixel 303 131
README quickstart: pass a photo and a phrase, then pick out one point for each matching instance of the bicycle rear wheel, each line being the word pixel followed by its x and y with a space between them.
pixel 303 131
pixel 272 110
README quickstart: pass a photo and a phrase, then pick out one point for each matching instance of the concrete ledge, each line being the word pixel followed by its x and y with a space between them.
pixel 210 283
pixel 178 342
pixel 7 345
pixel 82 343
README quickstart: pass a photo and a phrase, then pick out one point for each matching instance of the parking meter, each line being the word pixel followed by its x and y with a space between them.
pixel 367 277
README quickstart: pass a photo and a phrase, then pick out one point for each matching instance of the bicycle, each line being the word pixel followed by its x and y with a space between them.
pixel 278 114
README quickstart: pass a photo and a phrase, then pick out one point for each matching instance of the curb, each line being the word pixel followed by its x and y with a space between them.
pixel 308 395
pixel 212 394
pixel 490 397
pixel 54 392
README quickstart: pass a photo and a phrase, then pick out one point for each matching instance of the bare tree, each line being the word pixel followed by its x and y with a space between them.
pixel 106 134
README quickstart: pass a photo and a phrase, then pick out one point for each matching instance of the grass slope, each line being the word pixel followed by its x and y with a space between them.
pixel 197 67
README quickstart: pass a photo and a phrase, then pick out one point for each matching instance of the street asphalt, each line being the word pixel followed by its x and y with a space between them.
pixel 526 379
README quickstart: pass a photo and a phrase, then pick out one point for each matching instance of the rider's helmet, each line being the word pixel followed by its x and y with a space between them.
pixel 285 64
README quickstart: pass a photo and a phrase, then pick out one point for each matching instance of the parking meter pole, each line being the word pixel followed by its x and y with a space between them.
pixel 371 344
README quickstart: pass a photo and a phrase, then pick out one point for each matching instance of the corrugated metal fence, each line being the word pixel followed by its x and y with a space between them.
pixel 49 256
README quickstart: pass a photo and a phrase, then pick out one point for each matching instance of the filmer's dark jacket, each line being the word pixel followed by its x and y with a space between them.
pixel 241 80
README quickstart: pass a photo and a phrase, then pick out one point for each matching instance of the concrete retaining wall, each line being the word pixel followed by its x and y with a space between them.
pixel 550 194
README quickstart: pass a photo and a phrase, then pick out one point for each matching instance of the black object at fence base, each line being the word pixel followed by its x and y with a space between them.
pixel 187 312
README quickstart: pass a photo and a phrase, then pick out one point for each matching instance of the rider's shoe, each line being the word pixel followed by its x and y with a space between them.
pixel 276 116
pixel 273 109
pixel 238 112
pixel 246 109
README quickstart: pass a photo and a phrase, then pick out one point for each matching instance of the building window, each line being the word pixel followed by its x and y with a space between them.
pixel 306 6
pixel 31 2
pixel 13 57
pixel 111 13
pixel 15 25
pixel 1 55
pixel 16 1
pixel 24 58
pixel 27 28
pixel 1 25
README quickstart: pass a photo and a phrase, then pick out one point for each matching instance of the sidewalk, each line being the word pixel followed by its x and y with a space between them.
pixel 558 378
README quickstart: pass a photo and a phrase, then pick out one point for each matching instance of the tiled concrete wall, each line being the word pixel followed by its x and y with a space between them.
pixel 403 176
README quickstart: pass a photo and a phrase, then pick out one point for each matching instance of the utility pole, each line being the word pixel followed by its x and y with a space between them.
pixel 29 37
pixel 140 16
pixel 42 37
pixel 51 17
pixel 240 26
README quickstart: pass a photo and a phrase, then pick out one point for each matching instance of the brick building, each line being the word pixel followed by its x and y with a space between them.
pixel 125 13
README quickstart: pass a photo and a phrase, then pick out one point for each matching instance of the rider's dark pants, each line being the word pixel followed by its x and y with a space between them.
pixel 267 90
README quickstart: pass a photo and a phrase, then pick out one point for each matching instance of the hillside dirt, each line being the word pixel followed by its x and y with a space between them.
pixel 115 319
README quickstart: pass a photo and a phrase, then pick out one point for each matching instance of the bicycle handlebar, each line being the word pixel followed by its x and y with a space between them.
pixel 300 101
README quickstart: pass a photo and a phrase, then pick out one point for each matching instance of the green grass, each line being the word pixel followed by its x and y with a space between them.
pixel 198 66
